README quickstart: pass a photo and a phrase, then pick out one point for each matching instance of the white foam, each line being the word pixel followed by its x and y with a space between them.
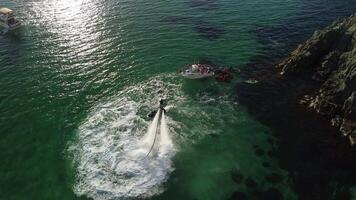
pixel 111 150
pixel 110 153
pixel 149 139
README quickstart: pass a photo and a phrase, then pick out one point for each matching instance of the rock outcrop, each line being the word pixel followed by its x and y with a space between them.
pixel 329 58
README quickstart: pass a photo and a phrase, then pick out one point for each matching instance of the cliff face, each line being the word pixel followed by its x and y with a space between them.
pixel 329 58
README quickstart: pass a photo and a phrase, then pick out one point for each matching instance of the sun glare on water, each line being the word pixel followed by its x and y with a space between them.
pixel 76 28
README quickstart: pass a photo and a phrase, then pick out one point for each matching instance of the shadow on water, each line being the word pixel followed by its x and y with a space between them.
pixel 320 162
pixel 9 43
pixel 204 29
pixel 209 31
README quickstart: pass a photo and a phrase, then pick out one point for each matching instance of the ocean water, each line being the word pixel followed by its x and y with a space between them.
pixel 79 78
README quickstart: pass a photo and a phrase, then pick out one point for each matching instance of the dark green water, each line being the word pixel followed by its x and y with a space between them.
pixel 80 77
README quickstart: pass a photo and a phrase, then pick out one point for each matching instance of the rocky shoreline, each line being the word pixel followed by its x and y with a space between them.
pixel 329 58
pixel 306 100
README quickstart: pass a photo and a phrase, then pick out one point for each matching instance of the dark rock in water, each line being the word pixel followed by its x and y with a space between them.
pixel 250 183
pixel 223 75
pixel 270 153
pixel 203 4
pixel 344 195
pixel 274 178
pixel 270 141
pixel 237 177
pixel 208 31
pixel 272 194
pixel 329 58
pixel 256 193
pixel 266 165
pixel 259 152
pixel 238 196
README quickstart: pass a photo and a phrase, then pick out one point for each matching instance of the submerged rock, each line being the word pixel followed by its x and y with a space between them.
pixel 237 177
pixel 238 196
pixel 270 141
pixel 271 153
pixel 266 165
pixel 329 58
pixel 272 194
pixel 224 75
pixel 209 31
pixel 274 178
pixel 259 152
pixel 250 183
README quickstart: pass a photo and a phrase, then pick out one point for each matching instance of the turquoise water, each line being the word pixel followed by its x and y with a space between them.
pixel 80 77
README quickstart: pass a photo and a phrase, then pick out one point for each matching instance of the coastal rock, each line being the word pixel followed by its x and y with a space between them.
pixel 259 152
pixel 266 165
pixel 238 196
pixel 272 194
pixel 250 183
pixel 309 148
pixel 329 58
pixel 237 177
pixel 274 178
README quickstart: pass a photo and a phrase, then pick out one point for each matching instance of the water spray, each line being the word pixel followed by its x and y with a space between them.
pixel 153 129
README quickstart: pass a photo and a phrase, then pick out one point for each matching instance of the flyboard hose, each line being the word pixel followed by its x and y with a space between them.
pixel 154 139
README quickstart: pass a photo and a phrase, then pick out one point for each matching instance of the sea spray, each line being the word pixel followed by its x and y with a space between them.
pixel 165 139
pixel 149 139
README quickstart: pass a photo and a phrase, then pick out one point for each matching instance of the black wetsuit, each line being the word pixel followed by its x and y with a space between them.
pixel 161 105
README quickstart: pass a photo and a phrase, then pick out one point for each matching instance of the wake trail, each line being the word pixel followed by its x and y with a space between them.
pixel 118 154
pixel 115 162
